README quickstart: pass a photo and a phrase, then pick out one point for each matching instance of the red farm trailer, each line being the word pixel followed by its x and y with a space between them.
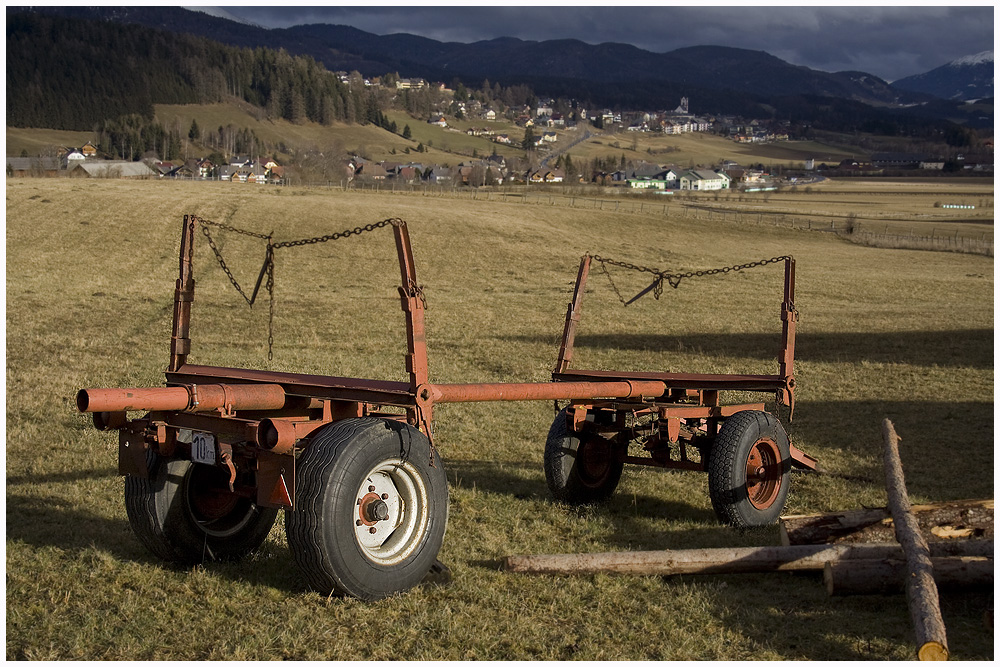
pixel 217 452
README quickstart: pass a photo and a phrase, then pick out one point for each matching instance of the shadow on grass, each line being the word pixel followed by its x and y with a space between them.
pixel 62 477
pixel 946 447
pixel 798 620
pixel 959 348
pixel 46 521
pixel 628 513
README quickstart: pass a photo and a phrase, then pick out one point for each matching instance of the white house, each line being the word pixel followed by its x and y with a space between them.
pixel 704 179
pixel 666 180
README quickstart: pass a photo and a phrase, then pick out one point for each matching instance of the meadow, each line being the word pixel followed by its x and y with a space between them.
pixel 91 266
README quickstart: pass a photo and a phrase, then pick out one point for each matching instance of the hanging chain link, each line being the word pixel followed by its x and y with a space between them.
pixel 268 269
pixel 395 222
pixel 222 261
pixel 674 279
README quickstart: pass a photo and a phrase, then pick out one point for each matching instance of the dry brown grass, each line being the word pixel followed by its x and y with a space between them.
pixel 90 272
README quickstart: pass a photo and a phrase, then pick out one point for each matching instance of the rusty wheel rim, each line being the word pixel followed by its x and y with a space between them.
pixel 217 511
pixel 763 473
pixel 594 461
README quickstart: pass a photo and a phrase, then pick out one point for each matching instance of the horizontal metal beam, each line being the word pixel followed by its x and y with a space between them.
pixel 534 391
pixel 382 392
pixel 202 397
pixel 681 380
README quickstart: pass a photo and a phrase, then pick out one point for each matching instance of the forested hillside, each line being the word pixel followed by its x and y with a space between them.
pixel 73 74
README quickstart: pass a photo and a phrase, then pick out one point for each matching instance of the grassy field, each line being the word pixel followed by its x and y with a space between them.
pixel 35 141
pixel 689 150
pixel 91 267
pixel 905 207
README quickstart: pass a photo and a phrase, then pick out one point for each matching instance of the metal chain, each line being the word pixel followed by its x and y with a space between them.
pixel 270 301
pixel 613 286
pixel 674 279
pixel 395 222
pixel 268 267
pixel 222 262
pixel 230 228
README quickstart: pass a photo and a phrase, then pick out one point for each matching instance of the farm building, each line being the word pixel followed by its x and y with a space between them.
pixel 703 179
pixel 111 169
pixel 33 166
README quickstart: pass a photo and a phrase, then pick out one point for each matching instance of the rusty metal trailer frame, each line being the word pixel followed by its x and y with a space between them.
pixel 262 421
pixel 687 403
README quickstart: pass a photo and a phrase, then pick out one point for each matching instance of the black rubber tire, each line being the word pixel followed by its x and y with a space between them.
pixel 727 470
pixel 569 480
pixel 163 516
pixel 324 535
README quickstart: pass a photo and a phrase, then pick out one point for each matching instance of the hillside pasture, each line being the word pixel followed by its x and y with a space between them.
pixel 91 267
pixel 701 148
pixel 34 141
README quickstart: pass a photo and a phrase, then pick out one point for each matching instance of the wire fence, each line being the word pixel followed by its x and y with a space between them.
pixel 849 227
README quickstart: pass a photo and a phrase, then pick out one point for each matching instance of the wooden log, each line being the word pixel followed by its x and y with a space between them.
pixel 921 591
pixel 958 519
pixel 726 560
pixel 859 577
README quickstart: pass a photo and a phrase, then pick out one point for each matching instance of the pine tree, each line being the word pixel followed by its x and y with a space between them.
pixel 529 139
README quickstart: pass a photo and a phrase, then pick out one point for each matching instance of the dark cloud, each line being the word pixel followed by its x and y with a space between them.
pixel 891 42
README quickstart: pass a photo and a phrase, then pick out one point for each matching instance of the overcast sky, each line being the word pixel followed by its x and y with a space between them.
pixel 889 41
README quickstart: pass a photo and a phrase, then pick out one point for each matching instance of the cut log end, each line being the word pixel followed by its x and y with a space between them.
pixel 932 651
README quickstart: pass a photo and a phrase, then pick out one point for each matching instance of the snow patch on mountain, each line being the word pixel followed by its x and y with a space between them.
pixel 977 59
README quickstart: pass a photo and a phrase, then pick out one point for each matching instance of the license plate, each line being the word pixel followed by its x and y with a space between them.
pixel 203 448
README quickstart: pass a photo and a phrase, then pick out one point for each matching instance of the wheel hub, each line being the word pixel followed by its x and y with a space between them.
pixel 594 460
pixel 763 473
pixel 217 510
pixel 391 512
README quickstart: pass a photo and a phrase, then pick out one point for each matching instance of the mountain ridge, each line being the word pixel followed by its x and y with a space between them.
pixel 966 78
pixel 344 47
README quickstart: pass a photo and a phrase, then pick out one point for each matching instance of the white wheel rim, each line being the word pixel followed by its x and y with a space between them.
pixel 399 485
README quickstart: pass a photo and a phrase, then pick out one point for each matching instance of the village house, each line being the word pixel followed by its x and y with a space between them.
pixel 371 172
pixel 112 169
pixel 439 176
pixel 188 170
pixel 205 168
pixel 665 180
pixel 703 180
pixel 410 84
pixel 276 174
pixel 72 157
pixel 547 176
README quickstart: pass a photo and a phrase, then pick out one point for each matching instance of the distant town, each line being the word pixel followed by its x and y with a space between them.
pixel 544 128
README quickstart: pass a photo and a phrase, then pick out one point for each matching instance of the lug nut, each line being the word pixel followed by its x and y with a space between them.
pixel 372 530
pixel 385 496
pixel 371 489
pixel 377 510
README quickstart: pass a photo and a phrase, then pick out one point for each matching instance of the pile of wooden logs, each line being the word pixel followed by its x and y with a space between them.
pixel 900 547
